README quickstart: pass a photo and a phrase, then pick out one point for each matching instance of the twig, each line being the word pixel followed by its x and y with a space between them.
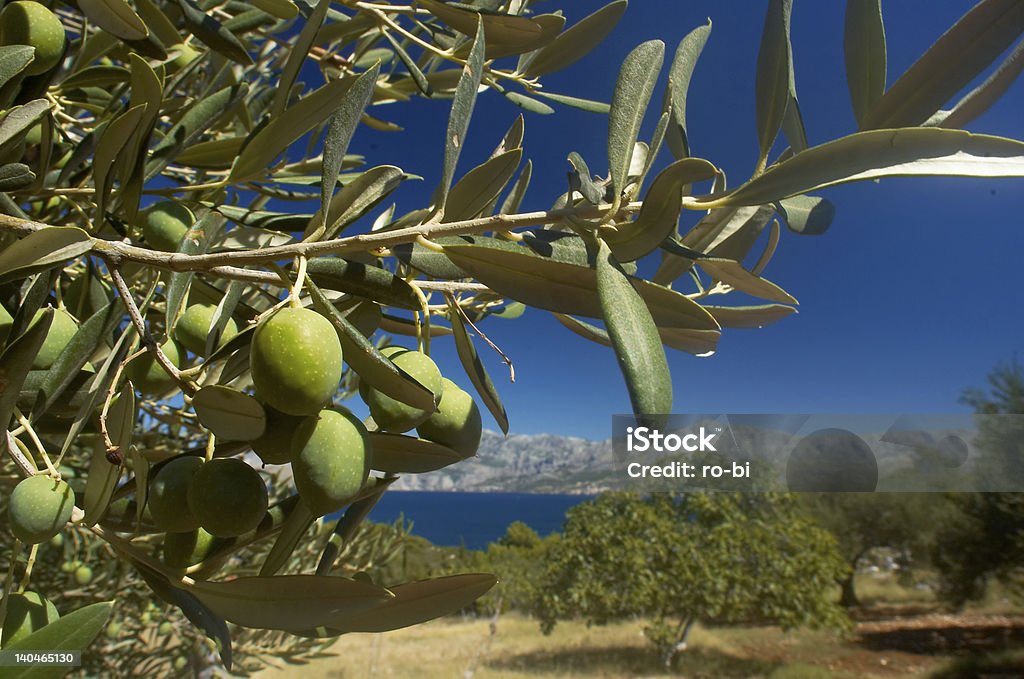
pixel 147 339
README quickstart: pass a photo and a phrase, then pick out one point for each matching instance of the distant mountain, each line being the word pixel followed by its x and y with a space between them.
pixel 525 463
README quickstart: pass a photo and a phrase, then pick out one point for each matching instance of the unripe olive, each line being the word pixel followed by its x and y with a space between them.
pixel 180 663
pixel 296 361
pixel 193 327
pixel 457 423
pixel 164 225
pixel 148 376
pixel 185 549
pixel 26 613
pixel 168 494
pixel 275 446
pixel 391 414
pixel 62 329
pixel 331 460
pixel 83 575
pixel 39 507
pixel 57 540
pixel 186 55
pixel 228 497
pixel 164 629
pixel 29 23
pixel 113 630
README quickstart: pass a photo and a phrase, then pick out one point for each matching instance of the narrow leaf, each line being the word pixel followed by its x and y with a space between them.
pixel 340 129
pixel 633 91
pixel 807 215
pixel 732 273
pixel 295 527
pixel 397 454
pixel 230 414
pixel 372 366
pixel 908 152
pixel 659 215
pixel 480 186
pixel 115 17
pixel 16 361
pixel 13 60
pixel 213 33
pixel 288 602
pixel 474 367
pixel 683 65
pixel 864 45
pixel 774 75
pixel 74 631
pixel 462 110
pixel 577 41
pixel 982 97
pixel 950 64
pixel 42 250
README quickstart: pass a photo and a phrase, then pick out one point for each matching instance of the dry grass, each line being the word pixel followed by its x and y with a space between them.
pixel 448 648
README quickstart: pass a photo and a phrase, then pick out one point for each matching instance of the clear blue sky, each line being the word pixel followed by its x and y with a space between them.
pixel 913 295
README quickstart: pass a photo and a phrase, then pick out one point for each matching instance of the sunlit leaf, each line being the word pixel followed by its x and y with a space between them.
pixel 13 60
pixel 577 41
pixel 774 74
pixel 475 369
pixel 807 215
pixel 681 73
pixel 116 17
pixel 42 250
pixel 732 273
pixel 633 90
pixel 73 631
pixel 864 45
pixel 480 186
pixel 230 414
pixel 396 454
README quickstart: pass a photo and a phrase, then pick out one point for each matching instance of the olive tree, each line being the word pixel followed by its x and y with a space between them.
pixel 168 294
pixel 712 558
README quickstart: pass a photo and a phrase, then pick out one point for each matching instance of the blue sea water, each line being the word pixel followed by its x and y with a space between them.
pixel 473 520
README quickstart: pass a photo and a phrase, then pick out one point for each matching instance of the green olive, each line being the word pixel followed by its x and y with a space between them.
pixel 164 225
pixel 62 329
pixel 148 376
pixel 296 361
pixel 391 414
pixel 168 494
pixel 26 613
pixel 39 507
pixel 457 423
pixel 83 575
pixel 331 460
pixel 228 497
pixel 193 327
pixel 30 23
pixel 188 548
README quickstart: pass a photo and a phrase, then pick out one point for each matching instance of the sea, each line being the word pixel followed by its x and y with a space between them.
pixel 473 520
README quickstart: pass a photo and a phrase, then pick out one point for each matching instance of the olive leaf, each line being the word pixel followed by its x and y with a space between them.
pixel 960 55
pixel 750 316
pixel 16 361
pixel 415 603
pixel 357 198
pixel 679 76
pixel 515 196
pixel 732 273
pixel 880 153
pixel 13 60
pixel 91 334
pixel 474 367
pixel 397 454
pixel 42 250
pixel 268 142
pixel 73 631
pixel 415 72
pixel 213 33
pixel 587 186
pixel 864 47
pixel 981 98
pixel 481 185
pixel 462 110
pixel 110 147
pixel 295 527
pixel 99 486
pixel 14 176
pixel 116 17
pixel 230 414
pixel 372 366
pixel 288 602
pixel 546 283
pixel 340 129
pixel 575 42
pixel 356 278
pixel 774 75
pixel 281 9
pixel 196 241
pixel 634 337
pixel 633 90
pixel 506 34
pixel 17 121
pixel 659 215
pixel 575 102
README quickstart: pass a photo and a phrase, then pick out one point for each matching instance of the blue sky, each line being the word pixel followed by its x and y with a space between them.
pixel 913 295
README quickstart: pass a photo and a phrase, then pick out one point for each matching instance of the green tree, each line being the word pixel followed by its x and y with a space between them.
pixel 191 260
pixel 519 559
pixel 861 522
pixel 711 558
pixel 986 540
